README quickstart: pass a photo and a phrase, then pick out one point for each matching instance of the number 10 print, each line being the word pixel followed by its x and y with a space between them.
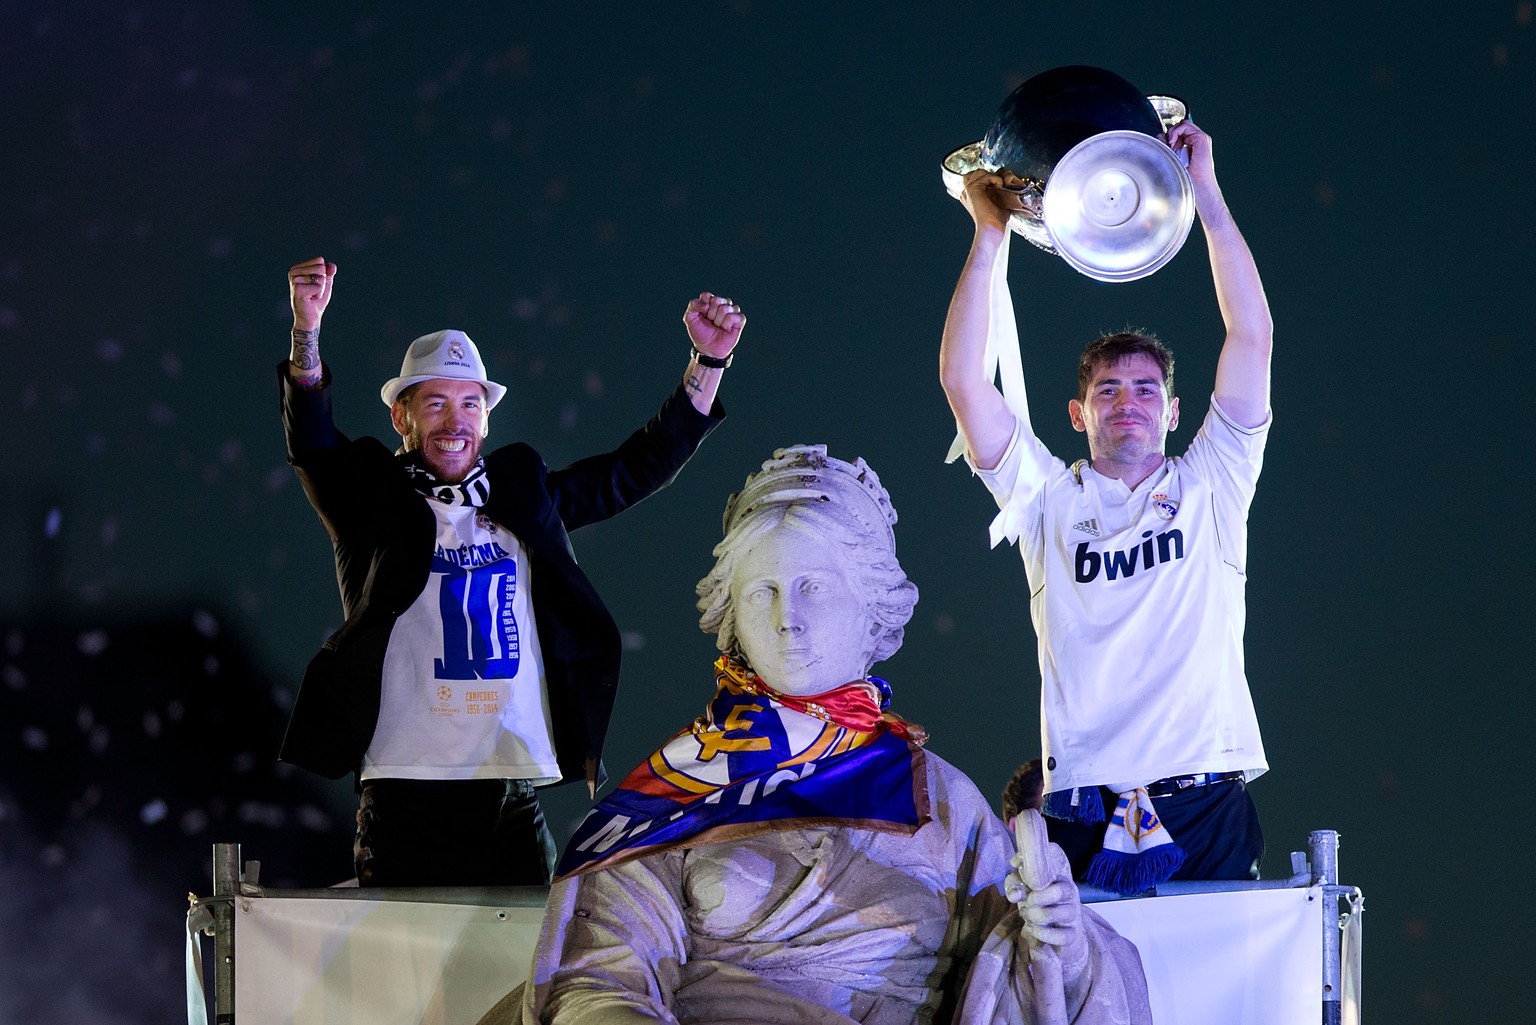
pixel 479 625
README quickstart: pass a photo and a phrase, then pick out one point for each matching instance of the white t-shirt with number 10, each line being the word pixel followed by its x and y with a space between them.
pixel 464 692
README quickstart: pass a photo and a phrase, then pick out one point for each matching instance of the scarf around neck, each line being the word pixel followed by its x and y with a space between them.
pixel 758 761
pixel 474 490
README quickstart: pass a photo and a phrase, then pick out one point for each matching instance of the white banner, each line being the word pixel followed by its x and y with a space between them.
pixel 331 962
pixel 1242 957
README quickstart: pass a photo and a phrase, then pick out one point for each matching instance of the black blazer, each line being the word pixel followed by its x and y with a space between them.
pixel 382 532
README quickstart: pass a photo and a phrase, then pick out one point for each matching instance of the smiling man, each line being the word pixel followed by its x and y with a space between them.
pixel 443 420
pixel 1136 563
pixel 476 661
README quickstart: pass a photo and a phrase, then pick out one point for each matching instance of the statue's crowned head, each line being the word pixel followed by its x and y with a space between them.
pixel 806 588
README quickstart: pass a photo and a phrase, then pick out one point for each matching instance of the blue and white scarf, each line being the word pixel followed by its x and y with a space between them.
pixel 1138 852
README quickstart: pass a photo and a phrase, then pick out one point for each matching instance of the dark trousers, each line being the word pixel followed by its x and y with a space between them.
pixel 476 832
pixel 1216 826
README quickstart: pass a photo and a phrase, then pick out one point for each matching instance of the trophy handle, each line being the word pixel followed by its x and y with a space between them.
pixel 960 163
pixel 1170 110
pixel 1029 221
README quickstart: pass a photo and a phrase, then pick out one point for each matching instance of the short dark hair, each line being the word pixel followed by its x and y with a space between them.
pixel 1111 349
pixel 1024 790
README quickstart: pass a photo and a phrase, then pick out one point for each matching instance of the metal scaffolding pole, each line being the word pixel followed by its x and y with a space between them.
pixel 226 886
pixel 1323 848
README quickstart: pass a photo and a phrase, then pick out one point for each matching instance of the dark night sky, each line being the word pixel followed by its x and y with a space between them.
pixel 558 179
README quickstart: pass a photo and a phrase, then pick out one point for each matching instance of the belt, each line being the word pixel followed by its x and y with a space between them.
pixel 1178 784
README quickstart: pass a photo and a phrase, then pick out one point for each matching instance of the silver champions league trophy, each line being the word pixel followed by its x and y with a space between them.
pixel 1098 186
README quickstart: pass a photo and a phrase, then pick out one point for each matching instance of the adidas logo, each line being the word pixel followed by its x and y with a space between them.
pixel 1089 527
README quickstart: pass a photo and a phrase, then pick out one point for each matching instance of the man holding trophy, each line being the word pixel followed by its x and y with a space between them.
pixel 1136 560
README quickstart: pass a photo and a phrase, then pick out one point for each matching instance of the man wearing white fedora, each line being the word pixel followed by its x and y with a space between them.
pixel 477 661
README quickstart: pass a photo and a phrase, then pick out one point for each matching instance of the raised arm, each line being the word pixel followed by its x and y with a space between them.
pixel 980 411
pixel 714 328
pixel 606 484
pixel 309 291
pixel 1242 371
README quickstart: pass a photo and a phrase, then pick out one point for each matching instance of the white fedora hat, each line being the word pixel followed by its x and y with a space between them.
pixel 442 355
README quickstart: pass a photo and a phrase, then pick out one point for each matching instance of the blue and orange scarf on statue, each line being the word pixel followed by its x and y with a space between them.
pixel 757 761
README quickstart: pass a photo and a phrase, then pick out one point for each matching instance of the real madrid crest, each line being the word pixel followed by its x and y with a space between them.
pixel 1166 507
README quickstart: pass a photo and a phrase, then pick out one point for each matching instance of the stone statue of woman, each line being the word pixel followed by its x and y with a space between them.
pixel 795 854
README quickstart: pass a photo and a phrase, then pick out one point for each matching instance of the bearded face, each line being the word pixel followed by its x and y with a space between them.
pixel 446 421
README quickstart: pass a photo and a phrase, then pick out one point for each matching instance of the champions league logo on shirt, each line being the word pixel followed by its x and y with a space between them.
pixel 1166 507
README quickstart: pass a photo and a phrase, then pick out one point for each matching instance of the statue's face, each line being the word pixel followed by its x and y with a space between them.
pixel 801 621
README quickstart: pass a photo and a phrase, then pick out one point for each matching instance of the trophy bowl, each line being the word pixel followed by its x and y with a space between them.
pixel 1118 206
pixel 1096 183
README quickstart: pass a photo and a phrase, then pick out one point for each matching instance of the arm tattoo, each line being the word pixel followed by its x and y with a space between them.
pixel 305 353
pixel 693 384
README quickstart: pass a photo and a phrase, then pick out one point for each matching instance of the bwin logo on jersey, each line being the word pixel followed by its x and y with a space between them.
pixel 1154 551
